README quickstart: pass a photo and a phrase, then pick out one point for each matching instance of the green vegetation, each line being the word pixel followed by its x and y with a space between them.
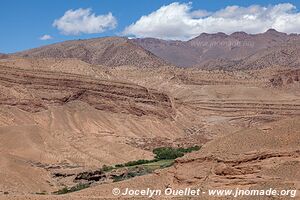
pixel 164 153
pixel 137 162
pixel 133 172
pixel 143 169
pixel 118 178
pixel 164 157
pixel 119 165
pixel 127 176
pixel 189 149
pixel 107 168
pixel 159 164
pixel 66 190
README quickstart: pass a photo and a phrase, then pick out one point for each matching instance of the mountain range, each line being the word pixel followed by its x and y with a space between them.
pixel 238 50
pixel 220 50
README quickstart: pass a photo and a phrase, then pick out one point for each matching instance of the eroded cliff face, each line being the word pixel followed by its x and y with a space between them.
pixel 267 154
pixel 35 91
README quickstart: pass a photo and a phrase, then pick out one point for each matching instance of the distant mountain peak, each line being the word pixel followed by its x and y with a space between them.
pixel 272 31
pixel 239 35
pixel 220 34
pixel 203 35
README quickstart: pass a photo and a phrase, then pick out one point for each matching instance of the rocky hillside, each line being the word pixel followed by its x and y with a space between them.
pixel 215 49
pixel 286 55
pixel 2 55
pixel 109 51
pixel 33 91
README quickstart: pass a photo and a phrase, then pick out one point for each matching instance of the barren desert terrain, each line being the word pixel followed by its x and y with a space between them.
pixel 68 109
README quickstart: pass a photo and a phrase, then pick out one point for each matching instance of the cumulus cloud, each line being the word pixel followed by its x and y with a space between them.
pixel 46 37
pixel 76 22
pixel 180 21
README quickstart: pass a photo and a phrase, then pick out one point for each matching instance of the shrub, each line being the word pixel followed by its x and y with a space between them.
pixel 164 153
pixel 165 165
pixel 62 191
pixel 119 165
pixel 106 168
pixel 137 162
pixel 117 178
pixel 133 172
pixel 189 149
pixel 80 186
pixel 65 190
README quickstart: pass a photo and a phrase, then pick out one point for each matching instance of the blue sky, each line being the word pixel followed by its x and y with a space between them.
pixel 24 22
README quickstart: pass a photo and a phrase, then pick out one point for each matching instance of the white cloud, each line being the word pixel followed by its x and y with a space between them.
pixel 46 37
pixel 179 21
pixel 76 22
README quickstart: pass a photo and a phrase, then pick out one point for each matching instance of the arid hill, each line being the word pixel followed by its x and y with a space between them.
pixel 2 55
pixel 284 55
pixel 109 51
pixel 63 117
pixel 207 48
